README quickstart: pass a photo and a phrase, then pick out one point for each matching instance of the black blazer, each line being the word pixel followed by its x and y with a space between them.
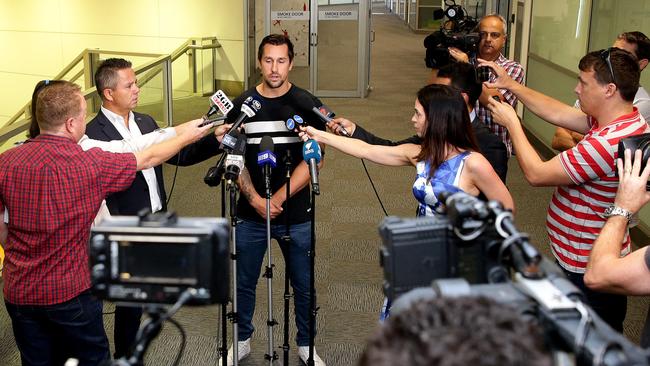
pixel 490 144
pixel 136 197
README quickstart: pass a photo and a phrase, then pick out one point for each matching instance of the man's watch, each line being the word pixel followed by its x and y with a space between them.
pixel 617 211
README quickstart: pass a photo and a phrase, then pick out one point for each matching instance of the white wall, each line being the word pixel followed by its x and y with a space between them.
pixel 40 37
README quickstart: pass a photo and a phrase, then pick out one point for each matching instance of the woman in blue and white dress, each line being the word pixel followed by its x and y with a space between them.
pixel 446 161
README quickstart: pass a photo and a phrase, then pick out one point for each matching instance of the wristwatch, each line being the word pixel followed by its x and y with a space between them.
pixel 617 211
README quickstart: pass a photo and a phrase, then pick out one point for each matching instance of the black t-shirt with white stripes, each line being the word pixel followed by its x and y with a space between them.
pixel 270 121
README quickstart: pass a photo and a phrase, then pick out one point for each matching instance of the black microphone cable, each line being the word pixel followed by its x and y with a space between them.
pixel 372 184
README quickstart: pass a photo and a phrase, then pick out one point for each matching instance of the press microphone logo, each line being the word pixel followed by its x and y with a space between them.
pixel 222 102
pixel 308 147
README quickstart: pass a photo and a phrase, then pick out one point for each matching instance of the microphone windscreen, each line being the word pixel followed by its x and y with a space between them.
pixel 311 150
pixel 266 144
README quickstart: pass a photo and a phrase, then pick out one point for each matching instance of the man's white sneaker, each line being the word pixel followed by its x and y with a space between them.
pixel 243 350
pixel 303 353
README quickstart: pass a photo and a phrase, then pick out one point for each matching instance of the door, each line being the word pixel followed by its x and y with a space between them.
pixel 340 48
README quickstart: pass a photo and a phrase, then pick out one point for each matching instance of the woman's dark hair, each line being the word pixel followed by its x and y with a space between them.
pixel 34 130
pixel 447 124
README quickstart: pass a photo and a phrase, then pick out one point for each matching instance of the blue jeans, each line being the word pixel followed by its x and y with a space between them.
pixel 50 334
pixel 251 248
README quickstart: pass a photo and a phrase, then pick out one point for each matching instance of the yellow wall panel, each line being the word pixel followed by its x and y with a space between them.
pixel 30 16
pixel 40 37
pixel 115 17
pixel 30 52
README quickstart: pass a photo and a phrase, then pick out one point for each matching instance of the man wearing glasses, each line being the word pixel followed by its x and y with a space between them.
pixel 492 29
pixel 585 175
pixel 637 44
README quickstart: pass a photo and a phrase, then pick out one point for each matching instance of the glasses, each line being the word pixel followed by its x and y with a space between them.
pixel 483 34
pixel 605 55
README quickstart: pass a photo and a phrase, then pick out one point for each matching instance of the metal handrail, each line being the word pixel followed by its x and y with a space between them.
pixel 16 125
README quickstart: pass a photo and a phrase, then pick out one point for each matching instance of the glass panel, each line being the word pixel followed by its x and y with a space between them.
pixel 338 34
pixel 610 18
pixel 151 94
pixel 425 18
pixel 559 31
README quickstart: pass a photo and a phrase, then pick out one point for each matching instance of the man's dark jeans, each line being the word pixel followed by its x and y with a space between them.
pixel 610 307
pixel 50 334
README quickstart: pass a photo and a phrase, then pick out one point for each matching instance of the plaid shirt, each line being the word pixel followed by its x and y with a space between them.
pixel 52 190
pixel 516 72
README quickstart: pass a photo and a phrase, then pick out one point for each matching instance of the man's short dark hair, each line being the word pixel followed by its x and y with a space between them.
pixel 624 67
pixel 640 41
pixel 276 40
pixel 106 75
pixel 463 77
pixel 458 331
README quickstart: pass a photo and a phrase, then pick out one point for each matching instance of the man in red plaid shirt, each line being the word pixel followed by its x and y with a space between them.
pixel 51 190
pixel 492 29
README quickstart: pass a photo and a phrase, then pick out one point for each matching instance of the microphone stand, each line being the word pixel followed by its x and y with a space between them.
pixel 286 240
pixel 271 355
pixel 233 189
pixel 312 283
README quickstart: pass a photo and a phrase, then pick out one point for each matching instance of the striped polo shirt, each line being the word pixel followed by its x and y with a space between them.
pixel 575 214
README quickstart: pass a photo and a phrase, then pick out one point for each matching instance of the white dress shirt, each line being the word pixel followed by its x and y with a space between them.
pixel 133 131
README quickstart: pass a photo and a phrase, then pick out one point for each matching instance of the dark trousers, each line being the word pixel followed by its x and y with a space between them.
pixel 50 334
pixel 127 323
pixel 610 307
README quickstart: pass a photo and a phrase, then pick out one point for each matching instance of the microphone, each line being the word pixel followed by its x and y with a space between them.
pixel 235 161
pixel 218 102
pixel 249 108
pixel 294 122
pixel 325 118
pixel 266 156
pixel 307 103
pixel 312 155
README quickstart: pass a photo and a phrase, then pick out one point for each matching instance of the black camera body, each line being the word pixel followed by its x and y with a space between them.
pixel 154 259
pixel 417 251
pixel 633 143
pixel 458 31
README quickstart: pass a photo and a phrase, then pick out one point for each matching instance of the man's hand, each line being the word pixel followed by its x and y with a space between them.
pixel 488 93
pixel 632 194
pixel 503 114
pixel 259 204
pixel 191 130
pixel 458 55
pixel 337 123
pixel 221 130
pixel 502 81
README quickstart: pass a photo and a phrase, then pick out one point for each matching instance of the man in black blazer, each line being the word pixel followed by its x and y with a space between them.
pixel 463 77
pixel 117 86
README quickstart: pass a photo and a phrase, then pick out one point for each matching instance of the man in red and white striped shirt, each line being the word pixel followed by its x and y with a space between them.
pixel 585 175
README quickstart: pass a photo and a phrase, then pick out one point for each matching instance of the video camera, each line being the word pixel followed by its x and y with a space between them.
pixel 458 31
pixel 154 258
pixel 429 255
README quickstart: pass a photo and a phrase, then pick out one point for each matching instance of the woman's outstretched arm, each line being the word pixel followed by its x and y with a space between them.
pixel 386 155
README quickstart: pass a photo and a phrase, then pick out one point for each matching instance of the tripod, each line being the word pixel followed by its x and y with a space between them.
pixel 286 242
pixel 233 189
pixel 268 273
pixel 151 328
pixel 313 310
